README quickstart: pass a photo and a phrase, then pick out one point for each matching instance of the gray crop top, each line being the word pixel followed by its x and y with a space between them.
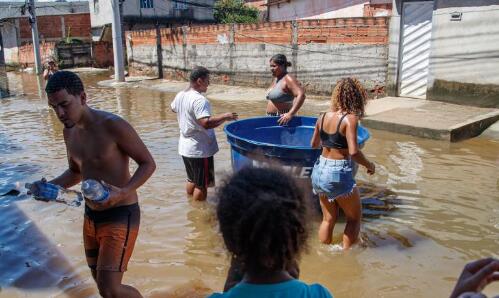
pixel 277 95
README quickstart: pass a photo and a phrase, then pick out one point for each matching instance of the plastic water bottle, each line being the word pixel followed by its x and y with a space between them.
pixel 94 190
pixel 45 191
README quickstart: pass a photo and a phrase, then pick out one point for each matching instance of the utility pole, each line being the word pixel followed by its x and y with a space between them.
pixel 119 68
pixel 34 32
pixel 123 32
pixel 159 51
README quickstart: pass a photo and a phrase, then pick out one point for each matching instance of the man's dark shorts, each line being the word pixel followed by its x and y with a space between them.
pixel 109 237
pixel 200 171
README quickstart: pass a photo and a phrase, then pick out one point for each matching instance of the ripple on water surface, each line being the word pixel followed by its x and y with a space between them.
pixel 431 207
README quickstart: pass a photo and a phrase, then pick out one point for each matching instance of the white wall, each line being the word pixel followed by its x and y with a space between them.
pixel 10 32
pixel 465 51
pixel 160 8
pixel 464 55
pixel 101 12
pixel 316 9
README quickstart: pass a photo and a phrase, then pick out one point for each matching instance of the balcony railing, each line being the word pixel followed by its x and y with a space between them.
pixel 182 13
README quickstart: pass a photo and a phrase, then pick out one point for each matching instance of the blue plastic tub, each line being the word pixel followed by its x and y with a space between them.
pixel 261 141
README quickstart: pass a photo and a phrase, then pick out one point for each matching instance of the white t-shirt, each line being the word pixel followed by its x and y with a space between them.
pixel 195 140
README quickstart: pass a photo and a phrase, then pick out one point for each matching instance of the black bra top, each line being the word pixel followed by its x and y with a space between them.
pixel 335 140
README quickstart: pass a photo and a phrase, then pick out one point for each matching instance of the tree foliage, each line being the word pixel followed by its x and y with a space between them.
pixel 234 11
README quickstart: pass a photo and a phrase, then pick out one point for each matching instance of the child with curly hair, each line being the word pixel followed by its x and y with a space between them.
pixel 263 219
pixel 332 179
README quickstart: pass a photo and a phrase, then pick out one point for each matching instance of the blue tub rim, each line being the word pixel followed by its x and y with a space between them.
pixel 231 135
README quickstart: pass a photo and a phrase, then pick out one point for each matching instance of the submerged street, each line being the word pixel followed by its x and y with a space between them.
pixel 443 198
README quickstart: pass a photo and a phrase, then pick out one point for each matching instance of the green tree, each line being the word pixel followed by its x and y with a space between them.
pixel 234 11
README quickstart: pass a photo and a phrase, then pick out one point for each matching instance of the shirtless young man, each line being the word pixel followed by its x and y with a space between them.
pixel 99 146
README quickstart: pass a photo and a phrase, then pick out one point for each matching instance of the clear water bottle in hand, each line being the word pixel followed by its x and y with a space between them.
pixel 94 190
pixel 44 191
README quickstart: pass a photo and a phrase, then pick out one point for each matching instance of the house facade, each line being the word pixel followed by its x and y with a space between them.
pixel 55 20
pixel 145 14
pixel 445 50
pixel 261 5
pixel 286 10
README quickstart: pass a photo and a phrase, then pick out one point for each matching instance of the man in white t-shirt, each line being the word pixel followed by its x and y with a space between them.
pixel 197 143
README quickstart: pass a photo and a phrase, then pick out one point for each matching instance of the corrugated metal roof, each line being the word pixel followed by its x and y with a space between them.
pixel 10 10
pixel 380 1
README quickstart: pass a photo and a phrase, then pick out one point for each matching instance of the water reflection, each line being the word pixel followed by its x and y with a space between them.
pixel 30 261
pixel 4 83
pixel 431 207
pixel 376 201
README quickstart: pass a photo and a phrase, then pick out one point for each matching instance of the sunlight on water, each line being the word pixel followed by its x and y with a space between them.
pixel 431 207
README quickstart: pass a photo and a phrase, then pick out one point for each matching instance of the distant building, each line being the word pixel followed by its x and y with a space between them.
pixel 261 5
pixel 145 14
pixel 287 10
pixel 258 4
pixel 56 21
pixel 445 50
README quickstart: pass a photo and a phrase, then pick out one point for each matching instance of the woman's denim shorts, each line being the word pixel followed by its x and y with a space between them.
pixel 332 177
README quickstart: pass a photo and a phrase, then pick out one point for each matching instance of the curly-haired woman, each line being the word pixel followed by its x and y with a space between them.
pixel 263 220
pixel 332 179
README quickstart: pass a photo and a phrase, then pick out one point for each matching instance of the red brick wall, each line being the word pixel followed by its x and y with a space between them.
pixel 206 34
pixel 171 36
pixel 76 25
pixel 315 58
pixel 48 27
pixel 270 32
pixel 147 37
pixel 102 54
pixel 365 30
pixel 370 10
pixel 26 55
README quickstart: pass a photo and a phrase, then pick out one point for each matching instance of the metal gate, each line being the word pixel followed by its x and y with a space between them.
pixel 415 48
pixel 74 54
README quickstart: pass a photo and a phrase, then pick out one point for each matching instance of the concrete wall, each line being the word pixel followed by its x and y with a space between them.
pixel 464 61
pixel 393 49
pixel 10 40
pixel 322 51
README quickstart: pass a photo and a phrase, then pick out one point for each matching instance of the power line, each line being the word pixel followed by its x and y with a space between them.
pixel 305 50
pixel 193 3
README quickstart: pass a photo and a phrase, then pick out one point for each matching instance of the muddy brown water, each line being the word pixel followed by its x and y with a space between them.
pixel 444 197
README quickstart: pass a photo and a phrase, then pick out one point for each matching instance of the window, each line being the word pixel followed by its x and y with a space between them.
pixel 146 4
pixel 180 6
pixel 96 6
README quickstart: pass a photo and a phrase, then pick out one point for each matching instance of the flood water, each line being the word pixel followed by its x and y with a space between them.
pixel 444 201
